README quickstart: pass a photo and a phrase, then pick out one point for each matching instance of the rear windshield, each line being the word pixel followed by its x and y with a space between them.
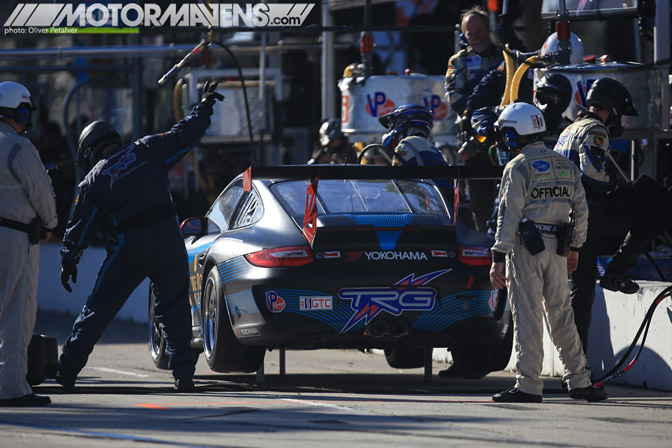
pixel 362 196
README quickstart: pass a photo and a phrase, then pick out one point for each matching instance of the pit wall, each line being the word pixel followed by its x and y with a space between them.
pixel 616 320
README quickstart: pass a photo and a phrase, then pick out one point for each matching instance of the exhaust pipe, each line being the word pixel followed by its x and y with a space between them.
pixel 398 329
pixel 377 329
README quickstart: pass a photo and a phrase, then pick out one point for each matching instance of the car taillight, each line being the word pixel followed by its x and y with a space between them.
pixel 474 256
pixel 281 257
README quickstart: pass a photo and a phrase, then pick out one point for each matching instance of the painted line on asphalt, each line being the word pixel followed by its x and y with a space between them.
pixel 322 403
pixel 96 434
pixel 318 404
pixel 120 372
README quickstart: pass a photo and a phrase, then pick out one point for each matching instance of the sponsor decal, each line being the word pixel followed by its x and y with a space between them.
pixel 332 254
pixel 561 168
pixel 474 253
pixel 550 192
pixel 274 302
pixel 405 295
pixel 115 170
pixel 599 141
pixel 389 255
pixel 473 62
pixel 315 303
pixel 537 121
pixel 244 332
pixel 440 253
pixel 541 165
pixel 494 299
pixel 439 108
pixel 378 104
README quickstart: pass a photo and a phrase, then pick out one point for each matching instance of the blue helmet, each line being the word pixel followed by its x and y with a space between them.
pixel 409 119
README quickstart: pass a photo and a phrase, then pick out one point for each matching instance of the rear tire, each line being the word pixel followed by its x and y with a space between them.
pixel 157 341
pixel 405 357
pixel 477 359
pixel 221 348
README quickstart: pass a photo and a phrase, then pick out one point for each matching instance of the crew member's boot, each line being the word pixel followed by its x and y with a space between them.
pixel 616 275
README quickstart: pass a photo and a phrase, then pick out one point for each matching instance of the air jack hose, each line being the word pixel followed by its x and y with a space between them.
pixel 520 72
pixel 646 323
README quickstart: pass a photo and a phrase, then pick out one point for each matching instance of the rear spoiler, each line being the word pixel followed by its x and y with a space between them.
pixel 313 173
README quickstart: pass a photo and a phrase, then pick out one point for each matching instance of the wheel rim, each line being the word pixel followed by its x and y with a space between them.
pixel 155 334
pixel 209 319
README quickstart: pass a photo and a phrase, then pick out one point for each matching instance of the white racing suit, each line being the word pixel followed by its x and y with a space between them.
pixel 543 187
pixel 25 192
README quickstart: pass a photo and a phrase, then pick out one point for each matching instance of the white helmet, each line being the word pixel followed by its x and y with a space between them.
pixel 16 98
pixel 576 47
pixel 519 124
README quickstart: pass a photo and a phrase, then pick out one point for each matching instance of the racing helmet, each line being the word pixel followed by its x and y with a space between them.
pixel 520 124
pixel 576 47
pixel 95 138
pixel 612 95
pixel 552 97
pixel 406 120
pixel 330 131
pixel 16 103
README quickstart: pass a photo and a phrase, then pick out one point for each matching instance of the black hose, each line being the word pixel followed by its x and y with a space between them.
pixel 656 267
pixel 253 155
pixel 646 323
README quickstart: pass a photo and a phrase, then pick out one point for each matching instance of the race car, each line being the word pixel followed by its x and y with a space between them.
pixel 327 256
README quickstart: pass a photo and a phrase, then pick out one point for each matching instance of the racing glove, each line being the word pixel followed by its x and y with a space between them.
pixel 68 271
pixel 209 95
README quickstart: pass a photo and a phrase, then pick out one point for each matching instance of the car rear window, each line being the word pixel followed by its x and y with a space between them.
pixel 362 196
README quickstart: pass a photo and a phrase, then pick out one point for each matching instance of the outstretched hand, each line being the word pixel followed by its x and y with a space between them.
pixel 68 272
pixel 210 96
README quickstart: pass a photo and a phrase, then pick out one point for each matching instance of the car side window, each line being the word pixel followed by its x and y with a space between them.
pixel 222 210
pixel 249 212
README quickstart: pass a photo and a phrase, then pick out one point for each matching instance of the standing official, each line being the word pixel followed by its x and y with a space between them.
pixel 538 192
pixel 128 187
pixel 27 217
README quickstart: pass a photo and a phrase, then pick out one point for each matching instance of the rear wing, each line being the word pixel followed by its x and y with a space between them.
pixel 313 173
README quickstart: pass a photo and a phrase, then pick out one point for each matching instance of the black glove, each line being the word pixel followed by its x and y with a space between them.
pixel 68 271
pixel 209 95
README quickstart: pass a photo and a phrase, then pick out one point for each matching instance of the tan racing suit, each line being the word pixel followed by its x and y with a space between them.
pixel 543 187
pixel 25 193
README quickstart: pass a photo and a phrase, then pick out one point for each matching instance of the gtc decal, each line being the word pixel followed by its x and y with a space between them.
pixel 405 295
pixel 274 302
pixel 315 303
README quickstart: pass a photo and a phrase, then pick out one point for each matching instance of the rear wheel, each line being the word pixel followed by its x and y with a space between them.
pixel 157 341
pixel 405 357
pixel 221 348
pixel 477 359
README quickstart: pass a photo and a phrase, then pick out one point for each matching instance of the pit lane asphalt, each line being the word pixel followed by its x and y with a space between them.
pixel 326 398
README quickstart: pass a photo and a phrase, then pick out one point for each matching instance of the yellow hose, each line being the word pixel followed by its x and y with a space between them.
pixel 178 114
pixel 509 63
pixel 520 72
pixel 177 104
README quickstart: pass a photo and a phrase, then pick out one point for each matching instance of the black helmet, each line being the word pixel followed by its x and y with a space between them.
pixel 611 94
pixel 554 83
pixel 94 138
pixel 330 131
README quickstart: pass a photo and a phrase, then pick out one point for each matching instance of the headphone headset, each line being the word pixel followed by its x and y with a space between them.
pixel 21 114
pixel 511 138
